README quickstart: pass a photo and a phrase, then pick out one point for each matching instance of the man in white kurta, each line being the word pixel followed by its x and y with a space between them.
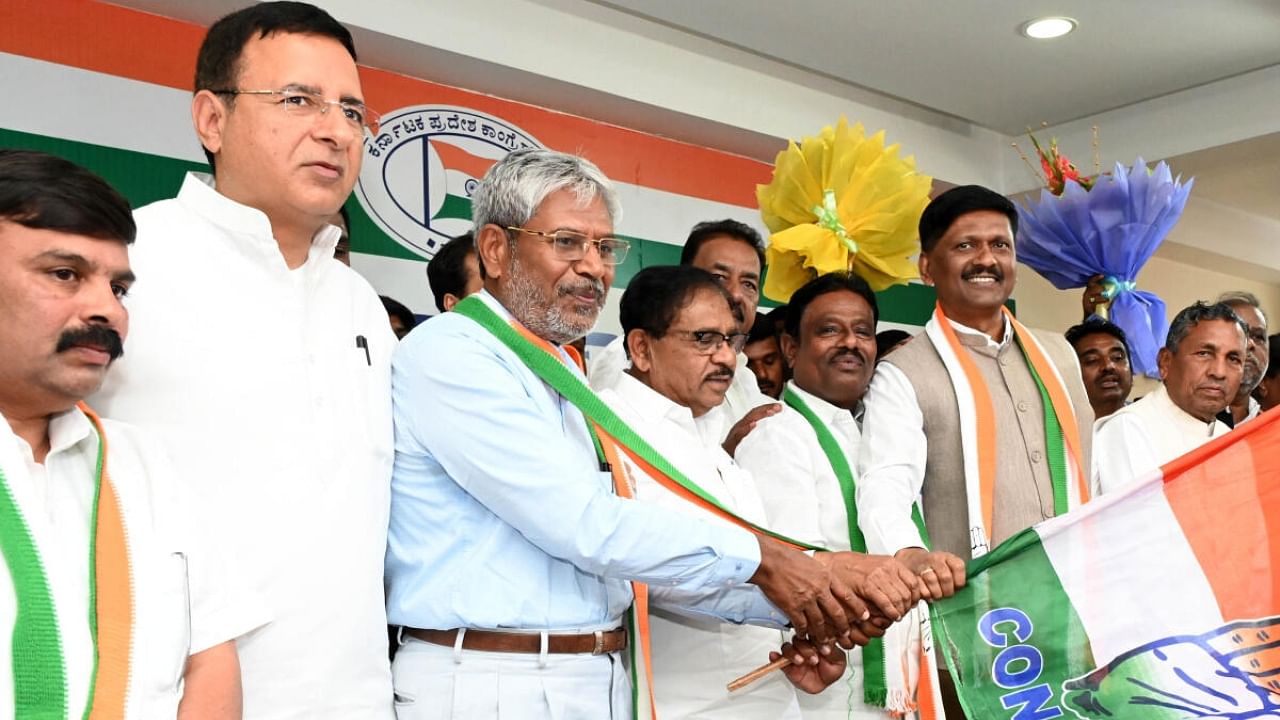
pixel 1201 365
pixel 830 345
pixel 105 574
pixel 264 363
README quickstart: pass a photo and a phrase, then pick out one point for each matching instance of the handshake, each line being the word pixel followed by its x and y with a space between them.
pixel 847 598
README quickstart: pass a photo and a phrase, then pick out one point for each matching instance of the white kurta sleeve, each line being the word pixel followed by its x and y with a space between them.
pixel 891 462
pixel 784 477
pixel 1121 452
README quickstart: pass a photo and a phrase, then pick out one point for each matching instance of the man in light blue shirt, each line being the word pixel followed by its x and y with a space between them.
pixel 510 556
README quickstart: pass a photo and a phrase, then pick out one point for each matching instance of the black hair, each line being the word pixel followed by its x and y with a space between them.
pixel 656 295
pixel 218 62
pixel 1193 315
pixel 821 285
pixel 944 210
pixel 887 339
pixel 1096 325
pixel 447 270
pixel 46 192
pixel 704 231
pixel 396 308
pixel 761 329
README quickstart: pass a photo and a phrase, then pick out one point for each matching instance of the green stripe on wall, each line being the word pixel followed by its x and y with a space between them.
pixel 1015 579
pixel 144 178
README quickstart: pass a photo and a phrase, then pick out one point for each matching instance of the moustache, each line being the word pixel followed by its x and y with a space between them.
pixel 593 287
pixel 97 336
pixel 992 270
pixel 721 373
pixel 856 352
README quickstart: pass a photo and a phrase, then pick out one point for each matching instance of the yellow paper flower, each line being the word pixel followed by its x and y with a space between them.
pixel 842 201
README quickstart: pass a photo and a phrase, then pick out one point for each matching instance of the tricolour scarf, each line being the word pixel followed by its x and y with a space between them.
pixel 39 669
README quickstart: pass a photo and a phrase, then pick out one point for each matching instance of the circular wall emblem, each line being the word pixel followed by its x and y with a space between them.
pixel 421 169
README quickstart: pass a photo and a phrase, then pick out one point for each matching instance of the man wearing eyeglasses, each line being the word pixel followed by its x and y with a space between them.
pixel 510 555
pixel 265 363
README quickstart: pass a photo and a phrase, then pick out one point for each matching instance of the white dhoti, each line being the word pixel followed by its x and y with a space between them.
pixel 434 682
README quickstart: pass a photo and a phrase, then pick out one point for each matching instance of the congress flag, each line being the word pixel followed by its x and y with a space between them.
pixel 1159 602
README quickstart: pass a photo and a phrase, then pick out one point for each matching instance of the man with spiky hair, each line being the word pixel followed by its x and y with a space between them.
pixel 265 363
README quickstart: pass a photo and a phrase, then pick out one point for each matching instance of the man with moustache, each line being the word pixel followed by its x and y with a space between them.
pixel 509 552
pixel 1103 352
pixel 1201 364
pixel 108 601
pixel 733 252
pixel 682 340
pixel 1243 406
pixel 264 363
pixel 983 421
pixel 803 457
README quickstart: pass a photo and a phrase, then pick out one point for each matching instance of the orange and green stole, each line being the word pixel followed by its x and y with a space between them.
pixel 39 670
pixel 611 436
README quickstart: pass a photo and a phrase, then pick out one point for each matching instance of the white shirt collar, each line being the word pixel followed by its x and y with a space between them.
pixel 826 412
pixel 66 430
pixel 200 195
pixel 1008 332
pixel 654 408
pixel 1184 421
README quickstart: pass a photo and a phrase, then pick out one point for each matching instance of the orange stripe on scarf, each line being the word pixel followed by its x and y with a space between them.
pixel 114 589
pixel 984 420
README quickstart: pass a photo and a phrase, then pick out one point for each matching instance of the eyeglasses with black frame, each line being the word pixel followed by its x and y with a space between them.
pixel 571 246
pixel 707 342
pixel 304 103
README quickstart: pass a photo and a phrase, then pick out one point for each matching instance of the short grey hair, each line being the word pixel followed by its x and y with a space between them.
pixel 1193 315
pixel 1236 298
pixel 514 187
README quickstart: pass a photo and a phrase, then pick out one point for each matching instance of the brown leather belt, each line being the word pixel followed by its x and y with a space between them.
pixel 596 643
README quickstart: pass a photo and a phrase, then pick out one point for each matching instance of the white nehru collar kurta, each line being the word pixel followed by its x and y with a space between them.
pixel 693 659
pixel 803 500
pixel 271 389
pixel 1144 435
pixel 183 600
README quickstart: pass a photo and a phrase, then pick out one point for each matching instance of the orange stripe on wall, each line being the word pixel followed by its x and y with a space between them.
pixel 139 46
pixel 1226 497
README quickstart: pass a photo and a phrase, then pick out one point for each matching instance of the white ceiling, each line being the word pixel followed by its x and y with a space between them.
pixel 965 57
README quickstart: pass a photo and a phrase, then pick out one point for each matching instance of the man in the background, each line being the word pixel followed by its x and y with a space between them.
pixel 454 273
pixel 342 250
pixel 1243 407
pixel 1268 391
pixel 276 402
pixel 401 318
pixel 1103 352
pixel 764 357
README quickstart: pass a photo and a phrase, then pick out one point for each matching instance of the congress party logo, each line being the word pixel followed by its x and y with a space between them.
pixel 1229 673
pixel 420 171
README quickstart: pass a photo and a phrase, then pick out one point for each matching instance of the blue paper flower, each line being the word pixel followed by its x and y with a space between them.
pixel 1111 230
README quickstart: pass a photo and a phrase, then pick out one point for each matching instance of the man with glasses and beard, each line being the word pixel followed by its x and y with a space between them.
pixel 512 545
pixel 109 601
pixel 733 252
pixel 265 363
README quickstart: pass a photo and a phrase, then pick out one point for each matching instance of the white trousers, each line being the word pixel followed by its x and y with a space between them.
pixel 434 682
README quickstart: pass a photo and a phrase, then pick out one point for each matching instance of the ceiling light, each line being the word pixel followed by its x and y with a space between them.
pixel 1048 27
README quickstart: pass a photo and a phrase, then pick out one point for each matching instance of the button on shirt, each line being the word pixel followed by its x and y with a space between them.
pixel 501 516
pixel 281 425
pixel 184 601
pixel 695 656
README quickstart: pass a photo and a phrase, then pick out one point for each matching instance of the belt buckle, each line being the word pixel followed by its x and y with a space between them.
pixel 599 648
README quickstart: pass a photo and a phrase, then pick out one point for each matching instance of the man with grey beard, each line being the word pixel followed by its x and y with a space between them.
pixel 510 556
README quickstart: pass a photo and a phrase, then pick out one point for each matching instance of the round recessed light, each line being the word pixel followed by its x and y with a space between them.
pixel 1048 27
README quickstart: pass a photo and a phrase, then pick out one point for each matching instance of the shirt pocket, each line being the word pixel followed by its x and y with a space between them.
pixel 163 642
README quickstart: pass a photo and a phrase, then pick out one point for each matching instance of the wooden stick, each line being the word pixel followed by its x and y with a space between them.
pixel 758 673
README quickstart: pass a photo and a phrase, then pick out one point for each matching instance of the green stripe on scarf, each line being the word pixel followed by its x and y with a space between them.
pixel 39 674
